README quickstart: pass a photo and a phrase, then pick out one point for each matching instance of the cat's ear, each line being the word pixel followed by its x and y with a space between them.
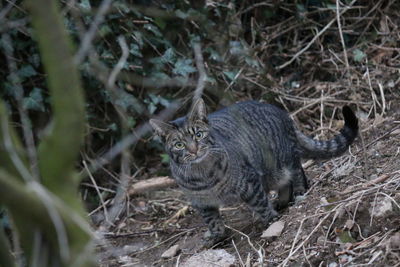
pixel 161 128
pixel 198 111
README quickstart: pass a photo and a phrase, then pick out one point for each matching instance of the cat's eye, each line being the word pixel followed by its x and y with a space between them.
pixel 199 135
pixel 179 145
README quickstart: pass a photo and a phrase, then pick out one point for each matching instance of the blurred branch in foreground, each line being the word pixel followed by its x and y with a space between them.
pixel 46 212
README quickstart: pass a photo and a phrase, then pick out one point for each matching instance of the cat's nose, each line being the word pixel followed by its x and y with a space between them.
pixel 192 148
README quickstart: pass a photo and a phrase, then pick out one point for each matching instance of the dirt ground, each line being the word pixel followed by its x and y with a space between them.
pixel 349 217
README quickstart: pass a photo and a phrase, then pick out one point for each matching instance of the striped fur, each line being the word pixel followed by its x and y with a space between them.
pixel 240 153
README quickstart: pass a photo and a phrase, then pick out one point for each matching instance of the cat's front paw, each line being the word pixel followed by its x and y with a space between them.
pixel 299 191
pixel 212 239
pixel 271 217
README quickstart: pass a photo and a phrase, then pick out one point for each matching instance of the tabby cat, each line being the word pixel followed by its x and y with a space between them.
pixel 239 154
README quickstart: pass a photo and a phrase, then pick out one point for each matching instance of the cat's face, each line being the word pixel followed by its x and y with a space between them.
pixel 186 141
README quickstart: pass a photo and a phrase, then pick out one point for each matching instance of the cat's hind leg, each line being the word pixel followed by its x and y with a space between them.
pixel 293 183
pixel 256 198
pixel 299 179
pixel 285 196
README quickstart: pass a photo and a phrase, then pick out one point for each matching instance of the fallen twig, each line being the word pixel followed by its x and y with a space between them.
pixel 346 60
pixel 359 187
pixel 202 72
pixel 103 205
pixel 152 184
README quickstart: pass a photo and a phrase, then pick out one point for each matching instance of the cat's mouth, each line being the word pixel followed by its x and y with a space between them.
pixel 200 156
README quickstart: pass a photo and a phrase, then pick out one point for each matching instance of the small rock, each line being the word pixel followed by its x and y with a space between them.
pixel 248 261
pixel 121 225
pixel 345 258
pixel 312 253
pixel 125 260
pixel 340 212
pixel 349 224
pixel 211 258
pixel 131 248
pixel 171 252
pixel 274 230
pixel 381 207
pixel 142 206
pixel 395 241
pixel 333 264
pixel 321 240
pixel 373 176
pixel 324 201
pixel 298 199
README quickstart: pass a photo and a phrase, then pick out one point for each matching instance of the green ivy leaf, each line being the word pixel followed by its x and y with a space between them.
pixel 269 13
pixel 26 72
pixel 183 67
pixel 9 89
pixel 214 55
pixel 4 219
pixel 252 62
pixel 301 8
pixel 160 23
pixel 135 50
pixel 236 48
pixel 164 158
pixel 122 6
pixel 331 6
pixel 138 37
pixel 230 74
pixel 107 55
pixel 35 60
pixel 152 107
pixel 358 55
pixel 34 101
pixel 159 76
pixel 345 237
pixel 127 101
pixel 104 30
pixel 113 127
pixel 180 14
pixel 131 122
pixel 169 56
pixel 85 4
pixel 152 29
pixel 156 99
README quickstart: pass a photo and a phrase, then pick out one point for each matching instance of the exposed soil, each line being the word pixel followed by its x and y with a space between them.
pixel 339 222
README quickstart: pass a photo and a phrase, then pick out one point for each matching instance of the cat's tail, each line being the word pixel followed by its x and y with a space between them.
pixel 311 148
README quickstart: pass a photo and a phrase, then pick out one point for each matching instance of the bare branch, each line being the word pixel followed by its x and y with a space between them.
pixel 202 73
pixel 133 138
pixel 97 190
pixel 121 62
pixel 346 60
pixel 6 10
pixel 86 43
pixel 11 24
